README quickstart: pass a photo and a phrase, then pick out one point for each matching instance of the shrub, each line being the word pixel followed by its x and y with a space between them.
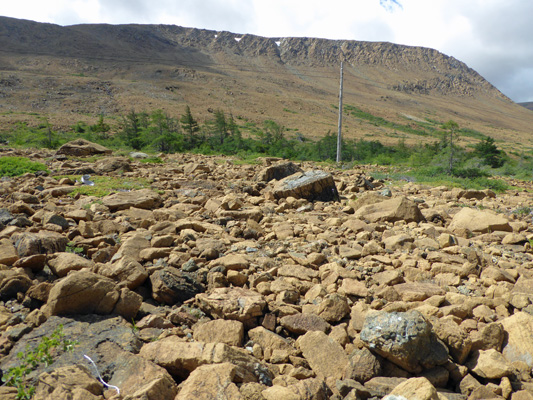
pixel 15 166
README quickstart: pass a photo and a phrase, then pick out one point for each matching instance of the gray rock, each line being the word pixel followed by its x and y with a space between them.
pixel 171 286
pixel 404 338
pixel 82 147
pixel 310 185
pixel 28 244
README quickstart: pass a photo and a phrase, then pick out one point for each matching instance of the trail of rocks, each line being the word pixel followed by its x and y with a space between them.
pixel 270 281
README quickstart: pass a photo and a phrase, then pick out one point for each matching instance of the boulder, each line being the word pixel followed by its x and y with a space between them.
pixel 12 282
pixel 308 389
pixel 126 270
pixel 82 147
pixel 396 209
pixel 110 164
pixel 171 286
pixel 489 364
pixel 404 338
pixel 277 171
pixel 477 221
pixel 310 185
pixel 143 198
pixel 362 366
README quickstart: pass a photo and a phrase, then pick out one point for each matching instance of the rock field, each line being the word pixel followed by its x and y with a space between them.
pixel 265 282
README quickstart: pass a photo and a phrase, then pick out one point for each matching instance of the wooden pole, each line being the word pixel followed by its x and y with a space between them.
pixel 339 133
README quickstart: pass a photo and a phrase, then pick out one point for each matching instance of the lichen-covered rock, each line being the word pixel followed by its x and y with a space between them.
pixel 405 338
pixel 310 185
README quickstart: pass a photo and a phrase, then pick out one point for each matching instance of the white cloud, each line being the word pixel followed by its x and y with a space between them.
pixel 491 36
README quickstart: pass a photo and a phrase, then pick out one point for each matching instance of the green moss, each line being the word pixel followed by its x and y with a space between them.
pixel 15 166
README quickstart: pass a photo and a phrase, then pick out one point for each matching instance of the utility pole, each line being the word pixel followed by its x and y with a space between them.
pixel 339 133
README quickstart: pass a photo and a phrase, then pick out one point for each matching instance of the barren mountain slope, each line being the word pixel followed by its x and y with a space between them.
pixel 77 72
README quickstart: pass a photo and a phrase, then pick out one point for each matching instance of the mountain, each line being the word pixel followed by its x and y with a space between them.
pixel 77 72
pixel 528 105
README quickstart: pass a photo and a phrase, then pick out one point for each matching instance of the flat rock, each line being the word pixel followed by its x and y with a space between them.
pixel 8 252
pixel 143 198
pixel 414 388
pixel 489 364
pixel 29 244
pixel 310 185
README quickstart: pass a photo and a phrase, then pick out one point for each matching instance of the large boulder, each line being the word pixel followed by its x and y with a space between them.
pixel 310 185
pixel 404 338
pixel 44 242
pixel 8 252
pixel 469 219
pixel 82 147
pixel 210 382
pixel 63 263
pixel 397 209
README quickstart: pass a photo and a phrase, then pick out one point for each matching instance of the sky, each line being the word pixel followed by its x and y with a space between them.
pixel 490 36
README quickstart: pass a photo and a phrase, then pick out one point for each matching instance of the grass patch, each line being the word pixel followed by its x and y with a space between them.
pixel 16 166
pixel 104 185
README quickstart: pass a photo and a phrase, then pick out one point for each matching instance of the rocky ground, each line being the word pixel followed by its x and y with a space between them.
pixel 234 281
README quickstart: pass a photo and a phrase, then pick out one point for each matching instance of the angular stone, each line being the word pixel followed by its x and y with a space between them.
pixel 8 252
pixel 302 323
pixel 397 209
pixel 233 262
pixel 311 389
pixel 310 185
pixel 353 287
pixel 324 355
pixel 269 340
pixel 232 303
pixel 63 263
pixel 229 332
pixel 333 308
pixel 455 337
pixel 418 291
pixel 404 338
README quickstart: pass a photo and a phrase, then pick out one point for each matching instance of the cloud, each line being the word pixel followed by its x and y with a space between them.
pixel 390 5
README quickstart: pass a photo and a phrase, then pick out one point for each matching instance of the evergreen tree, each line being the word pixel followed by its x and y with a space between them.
pixel 489 152
pixel 190 126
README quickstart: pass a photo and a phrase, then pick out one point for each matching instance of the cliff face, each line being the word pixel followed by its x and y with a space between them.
pixel 166 66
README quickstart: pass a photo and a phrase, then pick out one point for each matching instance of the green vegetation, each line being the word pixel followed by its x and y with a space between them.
pixel 15 166
pixel 104 185
pixel 442 160
pixel 43 354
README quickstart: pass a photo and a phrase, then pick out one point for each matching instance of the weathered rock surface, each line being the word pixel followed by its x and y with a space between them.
pixel 217 281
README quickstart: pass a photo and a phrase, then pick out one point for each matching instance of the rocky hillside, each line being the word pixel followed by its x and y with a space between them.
pixel 77 72
pixel 219 280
